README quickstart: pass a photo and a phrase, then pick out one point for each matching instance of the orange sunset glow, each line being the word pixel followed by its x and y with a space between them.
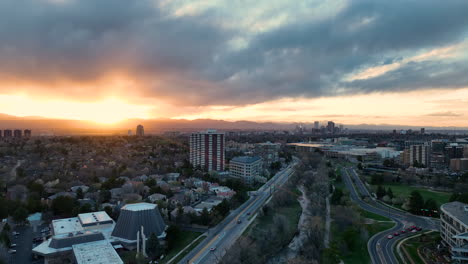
pixel 271 61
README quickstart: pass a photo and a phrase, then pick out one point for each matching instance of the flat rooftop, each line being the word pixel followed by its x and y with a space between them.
pixel 246 159
pixel 139 207
pixel 95 218
pixel 66 225
pixel 99 252
pixel 458 210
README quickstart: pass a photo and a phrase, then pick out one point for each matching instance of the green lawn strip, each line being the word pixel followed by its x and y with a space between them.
pixel 374 216
pixel 359 254
pixel 412 245
pixel 176 260
pixel 186 237
pixel 402 190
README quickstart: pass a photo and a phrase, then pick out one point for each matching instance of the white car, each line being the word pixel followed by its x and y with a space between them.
pixel 389 236
pixel 12 251
pixel 12 245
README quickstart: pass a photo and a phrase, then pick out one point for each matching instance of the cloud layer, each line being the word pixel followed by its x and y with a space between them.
pixel 226 53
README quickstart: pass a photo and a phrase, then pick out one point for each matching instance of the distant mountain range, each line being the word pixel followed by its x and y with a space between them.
pixel 42 125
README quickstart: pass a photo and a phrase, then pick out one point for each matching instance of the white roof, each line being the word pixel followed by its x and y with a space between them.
pixel 94 217
pixel 99 252
pixel 66 225
pixel 139 207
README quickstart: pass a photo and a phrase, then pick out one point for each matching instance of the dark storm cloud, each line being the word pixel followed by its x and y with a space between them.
pixel 187 57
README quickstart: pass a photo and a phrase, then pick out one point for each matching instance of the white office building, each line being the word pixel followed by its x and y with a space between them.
pixel 454 230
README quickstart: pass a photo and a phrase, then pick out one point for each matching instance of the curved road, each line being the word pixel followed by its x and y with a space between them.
pixel 379 246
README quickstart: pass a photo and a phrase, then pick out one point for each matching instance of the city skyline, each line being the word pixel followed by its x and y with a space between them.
pixel 351 62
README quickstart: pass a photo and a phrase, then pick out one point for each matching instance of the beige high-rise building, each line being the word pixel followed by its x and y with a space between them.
pixel 417 153
pixel 207 150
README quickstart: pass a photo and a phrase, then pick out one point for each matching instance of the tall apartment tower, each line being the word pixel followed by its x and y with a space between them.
pixel 207 150
pixel 27 133
pixel 316 125
pixel 17 133
pixel 7 133
pixel 417 153
pixel 140 131
pixel 331 127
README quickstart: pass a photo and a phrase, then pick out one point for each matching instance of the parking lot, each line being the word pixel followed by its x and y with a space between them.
pixel 24 245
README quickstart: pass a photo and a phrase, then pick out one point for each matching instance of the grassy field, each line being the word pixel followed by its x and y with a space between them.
pixel 403 190
pixel 359 254
pixel 373 216
pixel 186 237
pixel 183 254
pixel 413 244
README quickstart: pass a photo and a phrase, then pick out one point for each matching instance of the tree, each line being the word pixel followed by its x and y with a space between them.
pixel 20 215
pixel 64 205
pixel 359 166
pixel 416 202
pixel 336 196
pixel 153 247
pixel 173 234
pixel 205 217
pixel 377 179
pixel 380 192
pixel 79 194
pixel 430 205
pixel 390 193
pixel 105 196
pixel 222 208
pixel 5 239
pixel 460 197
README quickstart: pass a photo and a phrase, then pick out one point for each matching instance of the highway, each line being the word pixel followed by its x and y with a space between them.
pixel 221 237
pixel 379 246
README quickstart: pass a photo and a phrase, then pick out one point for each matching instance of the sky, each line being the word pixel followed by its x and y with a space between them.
pixel 354 62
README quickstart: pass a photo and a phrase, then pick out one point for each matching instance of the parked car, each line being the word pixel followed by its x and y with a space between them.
pixel 12 251
pixel 213 249
pixel 13 245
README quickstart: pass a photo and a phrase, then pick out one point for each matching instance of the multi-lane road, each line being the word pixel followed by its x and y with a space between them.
pixel 379 246
pixel 223 236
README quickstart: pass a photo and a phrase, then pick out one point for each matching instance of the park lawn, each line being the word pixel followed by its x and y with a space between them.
pixel 402 190
pixel 360 254
pixel 186 237
pixel 413 244
pixel 373 216
pixel 172 254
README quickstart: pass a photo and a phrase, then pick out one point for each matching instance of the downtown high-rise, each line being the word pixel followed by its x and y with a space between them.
pixel 207 150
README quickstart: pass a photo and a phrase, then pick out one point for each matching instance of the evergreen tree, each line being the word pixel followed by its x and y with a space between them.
pixel 416 202
pixel 79 194
pixel 205 217
pixel 390 193
pixel 380 192
pixel 153 247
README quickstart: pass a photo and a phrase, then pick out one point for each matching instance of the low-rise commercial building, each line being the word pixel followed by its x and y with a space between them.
pixel 246 168
pixel 454 230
